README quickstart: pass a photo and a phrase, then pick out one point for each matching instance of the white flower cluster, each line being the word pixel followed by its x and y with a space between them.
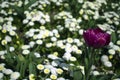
pixel 63 15
pixel 41 4
pixel 106 61
pixel 7 28
pixel 71 23
pixel 33 16
pixel 58 2
pixel 5 71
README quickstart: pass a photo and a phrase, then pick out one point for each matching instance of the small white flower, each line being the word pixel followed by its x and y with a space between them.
pixel 59 43
pixel 51 56
pixel 25 47
pixel 85 17
pixel 74 48
pixel 96 16
pixel 25 52
pixel 7 71
pixel 115 47
pixel 12 33
pixel 111 51
pixel 53 39
pixel 76 40
pixel 49 66
pixel 118 42
pixel 40 67
pixel 2 67
pixel 53 71
pixel 79 51
pixel 116 22
pixel 80 1
pixel 37 54
pixel 31 23
pixel 95 73
pixel 80 44
pixel 72 24
pixel 31 77
pixel 67 56
pixel 25 21
pixel 60 78
pixel 2 57
pixel 59 70
pixel 1 75
pixel 68 49
pixel 117 79
pixel 20 3
pixel 55 31
pixel 3 42
pixel 8 38
pixel 11 49
pixel 82 69
pixel 73 59
pixel 48 79
pixel 104 58
pixel 54 1
pixel 69 40
pixel 32 43
pixel 15 75
pixel 54 63
pixel 46 71
pixel 39 41
pixel 48 45
pixel 42 21
pixel 81 12
pixel 2 53
pixel 93 67
pixel 108 64
pixel 81 31
pixel 50 33
pixel 53 77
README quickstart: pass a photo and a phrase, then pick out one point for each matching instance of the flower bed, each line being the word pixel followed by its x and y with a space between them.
pixel 59 40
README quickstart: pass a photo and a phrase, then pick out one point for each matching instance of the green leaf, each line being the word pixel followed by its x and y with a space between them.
pixel 103 77
pixel 21 58
pixel 86 63
pixel 114 37
pixel 19 10
pixel 32 68
pixel 77 75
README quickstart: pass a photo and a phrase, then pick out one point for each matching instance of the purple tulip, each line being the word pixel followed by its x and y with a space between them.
pixel 96 38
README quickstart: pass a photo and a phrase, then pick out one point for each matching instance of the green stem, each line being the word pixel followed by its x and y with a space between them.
pixel 89 61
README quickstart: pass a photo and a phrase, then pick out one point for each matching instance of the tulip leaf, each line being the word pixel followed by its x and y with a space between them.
pixel 113 37
pixel 86 63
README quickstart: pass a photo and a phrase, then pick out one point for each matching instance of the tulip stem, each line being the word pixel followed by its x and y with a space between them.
pixel 89 61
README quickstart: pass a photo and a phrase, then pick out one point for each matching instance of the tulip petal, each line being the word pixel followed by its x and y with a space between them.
pixel 107 37
pixel 96 38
